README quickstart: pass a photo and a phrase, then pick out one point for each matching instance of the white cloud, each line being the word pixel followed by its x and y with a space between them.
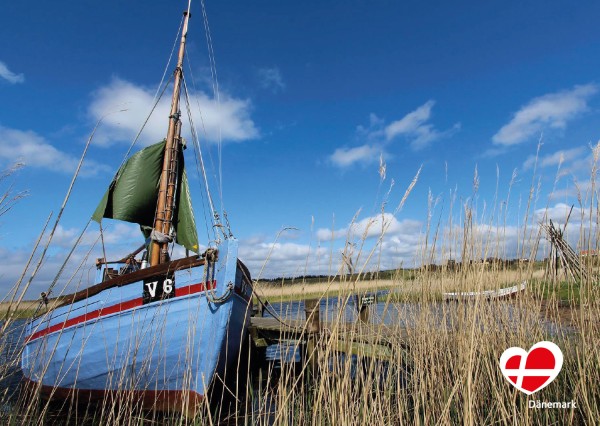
pixel 398 242
pixel 227 120
pixel 270 78
pixel 559 157
pixel 286 259
pixel 411 122
pixel 34 151
pixel 559 213
pixel 10 76
pixel 574 190
pixel 121 237
pixel 364 154
pixel 553 110
pixel 414 127
pixel 370 227
pixel 283 259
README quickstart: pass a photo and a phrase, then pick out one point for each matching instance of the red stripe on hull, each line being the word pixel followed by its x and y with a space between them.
pixel 113 309
pixel 187 402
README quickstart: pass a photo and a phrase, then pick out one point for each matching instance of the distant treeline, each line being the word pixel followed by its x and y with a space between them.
pixel 402 273
pixel 366 276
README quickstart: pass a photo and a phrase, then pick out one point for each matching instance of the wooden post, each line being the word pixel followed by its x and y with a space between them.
pixel 363 314
pixel 362 305
pixel 313 329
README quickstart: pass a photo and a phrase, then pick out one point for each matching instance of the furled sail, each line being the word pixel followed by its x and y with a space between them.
pixel 133 194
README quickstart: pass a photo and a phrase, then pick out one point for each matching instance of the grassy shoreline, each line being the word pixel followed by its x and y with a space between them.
pixel 419 287
pixel 24 310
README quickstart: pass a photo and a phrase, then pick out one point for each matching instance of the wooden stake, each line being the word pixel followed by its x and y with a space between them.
pixel 313 330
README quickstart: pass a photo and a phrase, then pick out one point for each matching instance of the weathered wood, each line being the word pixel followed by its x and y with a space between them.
pixel 313 329
pixel 363 307
pixel 366 340
pixel 363 315
pixel 121 280
pixel 166 193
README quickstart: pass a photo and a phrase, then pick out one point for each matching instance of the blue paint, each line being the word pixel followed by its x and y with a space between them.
pixel 173 344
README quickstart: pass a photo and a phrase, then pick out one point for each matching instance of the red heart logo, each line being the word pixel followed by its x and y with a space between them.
pixel 534 370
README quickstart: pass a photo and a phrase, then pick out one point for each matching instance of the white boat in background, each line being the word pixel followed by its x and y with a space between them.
pixel 502 293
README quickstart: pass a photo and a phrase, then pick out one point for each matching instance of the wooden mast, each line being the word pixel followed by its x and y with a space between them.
pixel 168 177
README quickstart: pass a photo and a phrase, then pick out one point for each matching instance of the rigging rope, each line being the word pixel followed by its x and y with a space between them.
pixel 137 136
pixel 210 157
pixel 213 69
pixel 168 65
pixel 199 160
pixel 157 96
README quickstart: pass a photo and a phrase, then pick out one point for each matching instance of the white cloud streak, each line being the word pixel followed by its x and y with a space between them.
pixel 414 127
pixel 559 213
pixel 10 76
pixel 561 157
pixel 552 111
pixel 34 151
pixel 364 154
pixel 370 227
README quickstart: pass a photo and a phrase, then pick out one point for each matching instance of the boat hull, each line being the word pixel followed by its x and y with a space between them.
pixel 158 342
pixel 500 294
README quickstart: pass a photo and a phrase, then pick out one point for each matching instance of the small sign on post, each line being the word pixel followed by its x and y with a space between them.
pixel 367 300
pixel 362 306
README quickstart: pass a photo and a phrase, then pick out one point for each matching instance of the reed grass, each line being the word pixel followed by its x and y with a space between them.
pixel 440 361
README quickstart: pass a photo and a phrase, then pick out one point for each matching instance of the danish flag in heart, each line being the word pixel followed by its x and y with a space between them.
pixel 531 371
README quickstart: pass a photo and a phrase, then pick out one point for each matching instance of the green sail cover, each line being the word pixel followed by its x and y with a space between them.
pixel 133 194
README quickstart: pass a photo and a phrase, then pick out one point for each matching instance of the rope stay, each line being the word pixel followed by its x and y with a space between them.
pixel 210 157
pixel 161 88
pixel 215 216
pixel 157 97
pixel 216 93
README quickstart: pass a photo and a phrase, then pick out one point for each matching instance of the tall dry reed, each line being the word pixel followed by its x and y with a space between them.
pixel 419 361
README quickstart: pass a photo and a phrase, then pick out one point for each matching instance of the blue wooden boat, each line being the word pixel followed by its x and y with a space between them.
pixel 158 333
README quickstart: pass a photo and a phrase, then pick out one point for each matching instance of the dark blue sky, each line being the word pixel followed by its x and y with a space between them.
pixel 313 94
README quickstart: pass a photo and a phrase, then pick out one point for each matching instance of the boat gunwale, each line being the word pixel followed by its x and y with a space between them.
pixel 163 268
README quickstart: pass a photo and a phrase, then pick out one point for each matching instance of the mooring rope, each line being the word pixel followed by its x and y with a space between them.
pixel 211 296
pixel 274 314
